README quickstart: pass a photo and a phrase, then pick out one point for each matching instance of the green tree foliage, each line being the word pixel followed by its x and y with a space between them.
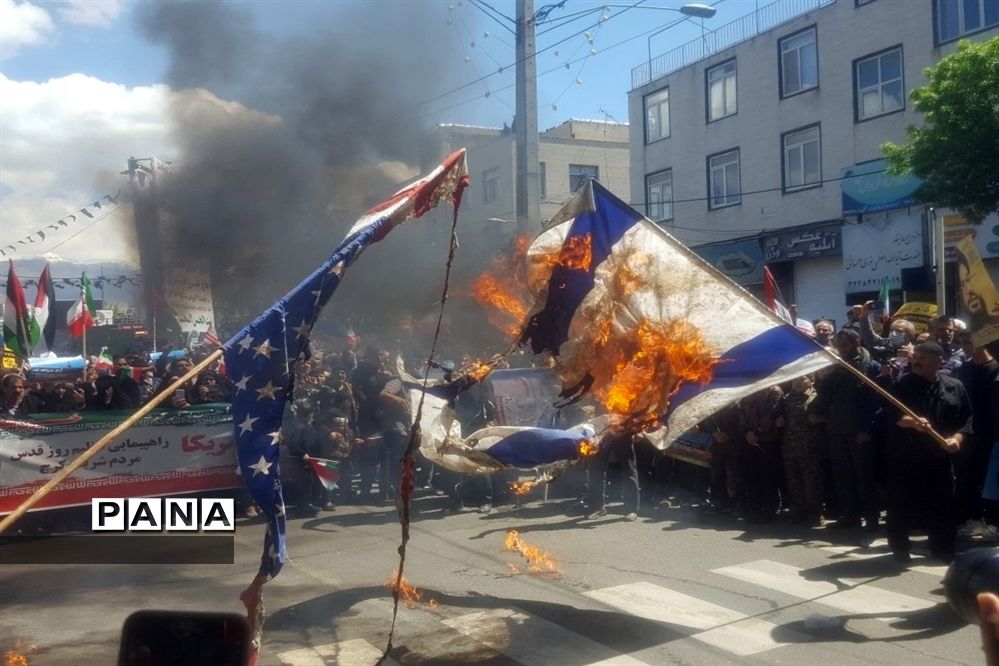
pixel 956 152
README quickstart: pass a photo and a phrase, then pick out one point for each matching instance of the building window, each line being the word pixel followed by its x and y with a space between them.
pixel 490 185
pixel 721 91
pixel 579 173
pixel 659 195
pixel 961 17
pixel 723 179
pixel 657 116
pixel 543 177
pixel 879 86
pixel 802 159
pixel 799 63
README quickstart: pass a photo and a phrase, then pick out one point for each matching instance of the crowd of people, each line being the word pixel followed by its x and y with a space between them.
pixel 828 446
pixel 823 447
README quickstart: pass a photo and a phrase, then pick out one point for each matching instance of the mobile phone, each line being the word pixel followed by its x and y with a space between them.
pixel 191 638
pixel 179 394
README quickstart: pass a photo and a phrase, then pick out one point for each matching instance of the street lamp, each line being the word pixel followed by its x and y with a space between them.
pixel 692 10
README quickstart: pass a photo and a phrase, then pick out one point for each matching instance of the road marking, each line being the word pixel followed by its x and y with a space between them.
pixel 720 627
pixel 879 548
pixel 847 595
pixel 356 652
pixel 529 639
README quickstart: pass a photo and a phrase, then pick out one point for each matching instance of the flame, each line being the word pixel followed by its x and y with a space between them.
pixel 507 306
pixel 588 448
pixel 540 561
pixel 640 374
pixel 409 593
pixel 19 655
pixel 522 487
pixel 575 254
pixel 502 289
pixel 480 370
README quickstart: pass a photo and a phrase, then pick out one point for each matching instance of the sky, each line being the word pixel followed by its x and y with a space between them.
pixel 84 84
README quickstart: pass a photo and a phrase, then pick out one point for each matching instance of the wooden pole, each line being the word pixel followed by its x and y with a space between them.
pixel 940 439
pixel 99 445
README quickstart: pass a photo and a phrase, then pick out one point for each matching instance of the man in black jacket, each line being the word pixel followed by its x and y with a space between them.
pixel 920 482
pixel 848 409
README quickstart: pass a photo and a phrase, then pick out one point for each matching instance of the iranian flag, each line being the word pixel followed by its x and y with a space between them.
pixel 104 361
pixel 81 316
pixel 16 317
pixel 42 324
pixel 328 471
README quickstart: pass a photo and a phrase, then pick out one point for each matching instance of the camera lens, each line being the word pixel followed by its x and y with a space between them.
pixel 972 573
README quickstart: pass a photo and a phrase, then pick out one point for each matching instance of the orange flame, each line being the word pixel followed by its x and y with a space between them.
pixel 640 374
pixel 575 254
pixel 408 593
pixel 521 487
pixel 503 289
pixel 540 561
pixel 19 655
pixel 479 370
pixel 588 448
pixel 507 306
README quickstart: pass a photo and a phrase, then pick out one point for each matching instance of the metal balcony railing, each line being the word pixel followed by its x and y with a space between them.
pixel 752 24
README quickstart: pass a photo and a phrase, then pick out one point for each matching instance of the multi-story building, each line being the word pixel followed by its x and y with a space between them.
pixel 760 144
pixel 568 153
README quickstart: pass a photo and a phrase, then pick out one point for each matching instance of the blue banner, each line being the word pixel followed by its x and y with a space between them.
pixel 869 188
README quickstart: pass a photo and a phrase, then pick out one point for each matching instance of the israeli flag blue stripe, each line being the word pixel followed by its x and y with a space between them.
pixel 752 361
pixel 605 225
pixel 536 446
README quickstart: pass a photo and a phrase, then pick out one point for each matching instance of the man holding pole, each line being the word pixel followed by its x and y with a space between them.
pixel 918 466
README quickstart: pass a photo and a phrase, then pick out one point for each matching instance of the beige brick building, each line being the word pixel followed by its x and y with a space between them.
pixel 567 153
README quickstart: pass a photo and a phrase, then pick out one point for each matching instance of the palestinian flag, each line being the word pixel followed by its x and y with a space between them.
pixel 81 316
pixel 328 471
pixel 43 325
pixel 104 361
pixel 16 317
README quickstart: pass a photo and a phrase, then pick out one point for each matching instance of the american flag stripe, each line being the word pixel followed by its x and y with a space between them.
pixel 260 359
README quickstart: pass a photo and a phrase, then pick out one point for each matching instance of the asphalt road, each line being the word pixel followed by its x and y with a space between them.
pixel 671 588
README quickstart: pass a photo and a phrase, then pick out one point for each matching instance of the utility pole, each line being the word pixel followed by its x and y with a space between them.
pixel 528 171
pixel 146 211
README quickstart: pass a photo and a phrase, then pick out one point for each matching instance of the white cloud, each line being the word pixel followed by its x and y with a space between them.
pixel 22 24
pixel 64 143
pixel 99 13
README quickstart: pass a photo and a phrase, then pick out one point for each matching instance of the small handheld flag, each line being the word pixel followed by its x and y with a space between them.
pixel 327 471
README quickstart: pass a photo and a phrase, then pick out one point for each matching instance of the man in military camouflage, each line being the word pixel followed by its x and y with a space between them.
pixel 804 450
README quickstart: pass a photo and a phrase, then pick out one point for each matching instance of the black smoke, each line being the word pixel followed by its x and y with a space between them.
pixel 285 139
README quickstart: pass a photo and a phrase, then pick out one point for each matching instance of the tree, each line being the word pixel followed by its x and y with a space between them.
pixel 956 152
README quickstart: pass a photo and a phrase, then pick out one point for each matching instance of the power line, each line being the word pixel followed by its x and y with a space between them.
pixel 501 69
pixel 492 13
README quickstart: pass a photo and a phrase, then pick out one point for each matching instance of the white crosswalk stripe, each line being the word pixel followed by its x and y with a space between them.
pixel 846 595
pixel 721 627
pixel 354 652
pixel 879 548
pixel 532 640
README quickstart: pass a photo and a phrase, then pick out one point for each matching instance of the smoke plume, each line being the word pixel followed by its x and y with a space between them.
pixel 285 140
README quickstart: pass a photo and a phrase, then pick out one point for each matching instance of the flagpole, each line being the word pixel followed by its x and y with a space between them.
pixel 98 446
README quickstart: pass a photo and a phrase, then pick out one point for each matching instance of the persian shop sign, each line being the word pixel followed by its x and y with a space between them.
pixel 741 261
pixel 868 188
